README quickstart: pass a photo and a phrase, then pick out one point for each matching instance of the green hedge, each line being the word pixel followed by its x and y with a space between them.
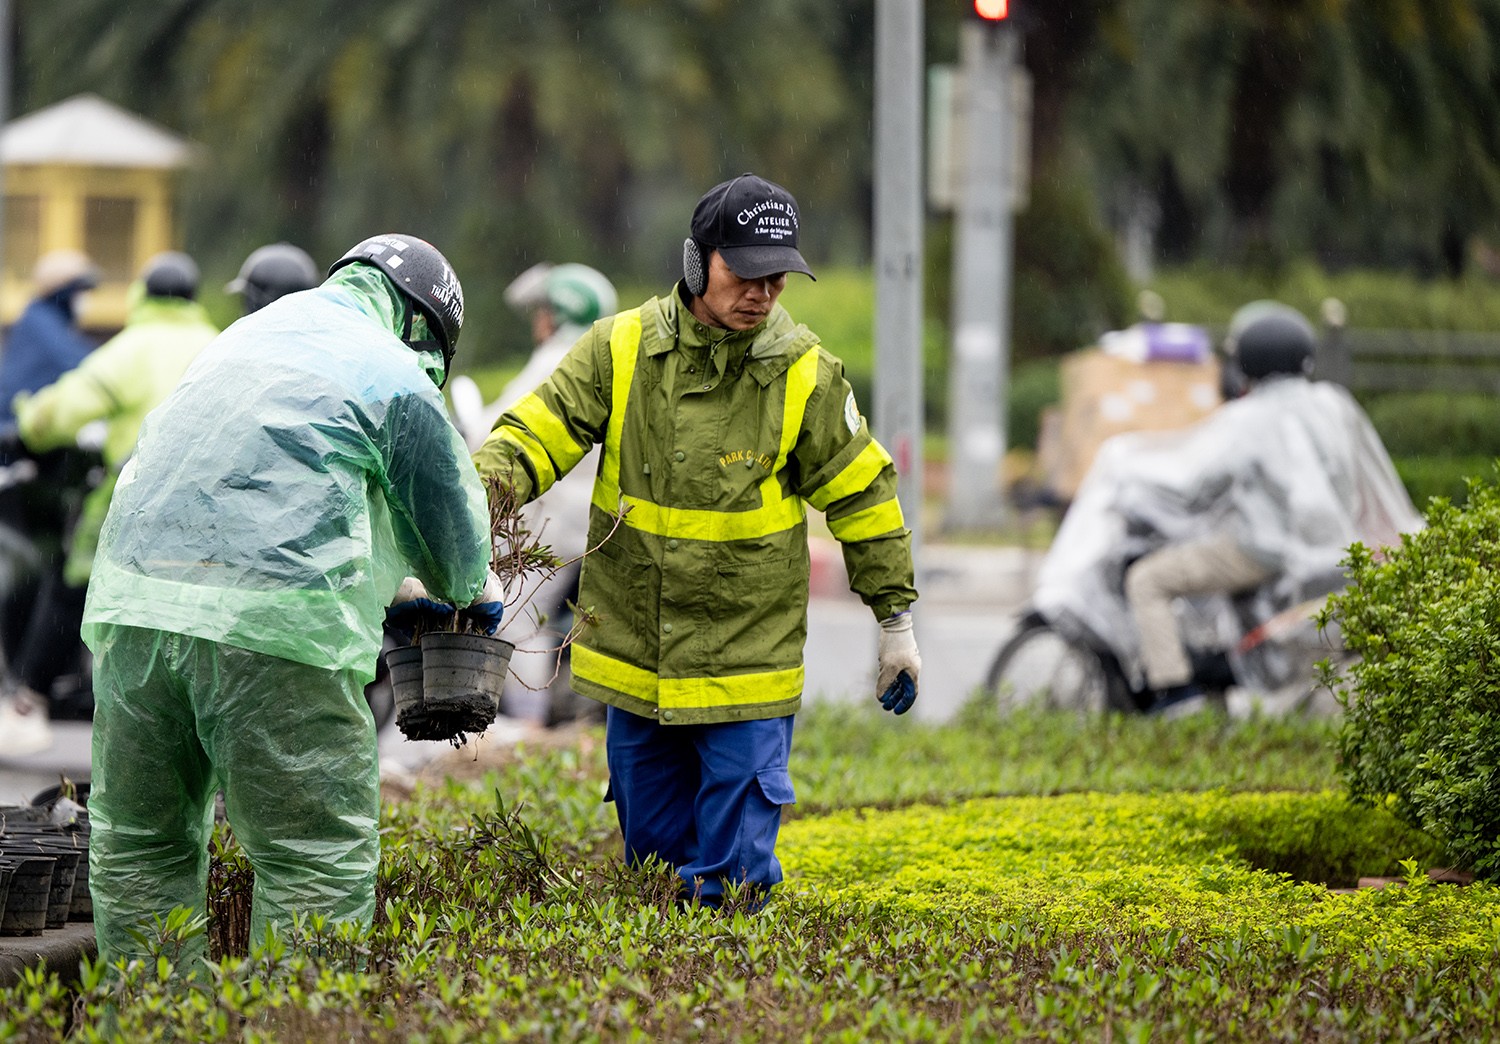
pixel 1376 300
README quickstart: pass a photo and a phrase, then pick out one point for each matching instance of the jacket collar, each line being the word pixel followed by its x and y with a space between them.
pixel 768 349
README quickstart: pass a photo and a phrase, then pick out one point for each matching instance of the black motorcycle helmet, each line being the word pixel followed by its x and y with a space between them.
pixel 1267 338
pixel 171 274
pixel 273 271
pixel 422 274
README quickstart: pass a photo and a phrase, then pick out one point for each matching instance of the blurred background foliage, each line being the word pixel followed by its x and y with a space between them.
pixel 1257 143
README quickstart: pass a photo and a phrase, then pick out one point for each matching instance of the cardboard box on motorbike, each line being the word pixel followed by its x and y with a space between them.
pixel 1105 394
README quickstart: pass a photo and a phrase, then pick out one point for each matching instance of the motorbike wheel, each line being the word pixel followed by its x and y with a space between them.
pixel 1039 667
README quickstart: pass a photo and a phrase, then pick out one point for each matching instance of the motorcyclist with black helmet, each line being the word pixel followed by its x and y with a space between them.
pixel 271 272
pixel 1277 481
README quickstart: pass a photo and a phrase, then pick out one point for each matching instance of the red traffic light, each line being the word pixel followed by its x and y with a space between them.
pixel 992 10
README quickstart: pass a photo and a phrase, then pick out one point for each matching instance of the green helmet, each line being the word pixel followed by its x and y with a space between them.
pixel 578 294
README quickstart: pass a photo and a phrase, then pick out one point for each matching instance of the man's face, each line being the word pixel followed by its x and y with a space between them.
pixel 732 303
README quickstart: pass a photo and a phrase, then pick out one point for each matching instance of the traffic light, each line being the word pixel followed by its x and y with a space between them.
pixel 992 10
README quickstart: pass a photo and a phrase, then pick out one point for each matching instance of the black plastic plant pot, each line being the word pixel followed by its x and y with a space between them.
pixel 30 889
pixel 462 677
pixel 64 876
pixel 404 666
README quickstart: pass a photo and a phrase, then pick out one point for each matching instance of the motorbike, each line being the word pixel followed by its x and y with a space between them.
pixel 1265 644
pixel 1076 647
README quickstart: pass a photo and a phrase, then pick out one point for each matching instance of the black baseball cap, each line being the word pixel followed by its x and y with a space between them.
pixel 752 223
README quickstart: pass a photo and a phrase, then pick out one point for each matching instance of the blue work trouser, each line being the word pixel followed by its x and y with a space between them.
pixel 293 748
pixel 705 799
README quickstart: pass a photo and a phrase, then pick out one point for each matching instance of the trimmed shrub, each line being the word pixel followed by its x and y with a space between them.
pixel 1422 721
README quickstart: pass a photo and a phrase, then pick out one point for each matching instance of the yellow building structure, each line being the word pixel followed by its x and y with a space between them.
pixel 85 174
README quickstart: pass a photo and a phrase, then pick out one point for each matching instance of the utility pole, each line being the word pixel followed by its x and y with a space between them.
pixel 898 247
pixel 982 262
pixel 5 63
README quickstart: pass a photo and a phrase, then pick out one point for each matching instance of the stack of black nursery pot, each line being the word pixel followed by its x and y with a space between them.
pixel 44 866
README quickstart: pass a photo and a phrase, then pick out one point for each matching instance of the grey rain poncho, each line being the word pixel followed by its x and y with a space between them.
pixel 1293 470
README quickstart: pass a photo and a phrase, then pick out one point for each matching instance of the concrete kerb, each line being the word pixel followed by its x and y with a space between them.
pixel 60 949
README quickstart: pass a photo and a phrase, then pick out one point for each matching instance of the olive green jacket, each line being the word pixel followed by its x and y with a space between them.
pixel 714 442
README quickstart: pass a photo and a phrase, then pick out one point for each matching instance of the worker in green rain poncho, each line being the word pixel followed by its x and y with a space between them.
pixel 304 466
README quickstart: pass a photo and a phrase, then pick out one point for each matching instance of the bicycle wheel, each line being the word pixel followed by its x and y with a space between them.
pixel 1041 668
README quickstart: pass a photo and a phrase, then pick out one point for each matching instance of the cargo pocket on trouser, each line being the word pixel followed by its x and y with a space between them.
pixel 762 822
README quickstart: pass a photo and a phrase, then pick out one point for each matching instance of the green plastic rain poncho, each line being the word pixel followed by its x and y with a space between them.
pixel 303 466
pixel 119 382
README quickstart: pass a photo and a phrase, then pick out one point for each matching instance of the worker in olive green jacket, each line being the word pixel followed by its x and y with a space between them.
pixel 720 419
pixel 119 383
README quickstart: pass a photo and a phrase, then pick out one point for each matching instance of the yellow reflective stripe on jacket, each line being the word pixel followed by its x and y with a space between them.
pixel 613 674
pixel 860 472
pixel 871 522
pixel 777 512
pixel 733 690
pixel 624 346
pixel 535 452
pixel 550 431
pixel 702 524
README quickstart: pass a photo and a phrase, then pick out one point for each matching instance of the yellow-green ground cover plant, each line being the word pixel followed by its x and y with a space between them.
pixel 1122 880
pixel 1422 701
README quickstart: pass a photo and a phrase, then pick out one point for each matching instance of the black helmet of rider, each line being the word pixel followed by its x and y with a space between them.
pixel 426 279
pixel 1267 338
pixel 273 271
pixel 171 274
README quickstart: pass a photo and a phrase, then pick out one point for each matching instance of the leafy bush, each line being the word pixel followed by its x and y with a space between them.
pixel 1422 721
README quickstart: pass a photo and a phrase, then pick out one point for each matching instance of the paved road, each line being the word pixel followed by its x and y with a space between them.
pixel 969 598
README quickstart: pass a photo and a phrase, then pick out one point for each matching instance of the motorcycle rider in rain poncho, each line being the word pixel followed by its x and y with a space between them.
pixel 304 465
pixel 1276 483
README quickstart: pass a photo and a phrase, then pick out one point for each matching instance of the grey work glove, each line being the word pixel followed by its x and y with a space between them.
pixel 900 663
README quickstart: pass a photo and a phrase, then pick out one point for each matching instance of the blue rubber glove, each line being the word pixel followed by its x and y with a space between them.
pixel 901 694
pixel 896 683
pixel 403 618
pixel 486 614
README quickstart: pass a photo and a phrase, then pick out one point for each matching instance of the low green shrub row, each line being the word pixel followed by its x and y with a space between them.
pixel 1132 862
pixel 1209 294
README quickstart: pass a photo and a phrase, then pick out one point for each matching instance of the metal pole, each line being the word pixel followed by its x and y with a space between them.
pixel 5 63
pixel 898 247
pixel 981 282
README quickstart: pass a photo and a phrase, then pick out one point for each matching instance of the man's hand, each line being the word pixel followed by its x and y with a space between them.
pixel 413 608
pixel 485 615
pixel 900 663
